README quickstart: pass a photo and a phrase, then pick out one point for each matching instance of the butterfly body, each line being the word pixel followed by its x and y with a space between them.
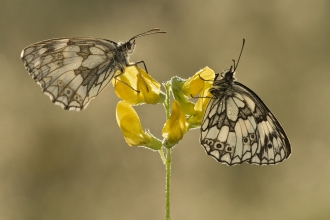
pixel 72 71
pixel 238 127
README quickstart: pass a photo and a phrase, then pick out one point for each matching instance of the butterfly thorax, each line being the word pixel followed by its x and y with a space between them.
pixel 224 85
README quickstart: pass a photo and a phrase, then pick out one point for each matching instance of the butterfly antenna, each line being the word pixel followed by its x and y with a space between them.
pixel 236 64
pixel 152 31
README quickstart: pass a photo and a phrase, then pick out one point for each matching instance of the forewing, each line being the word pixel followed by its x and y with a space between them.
pixel 238 127
pixel 71 71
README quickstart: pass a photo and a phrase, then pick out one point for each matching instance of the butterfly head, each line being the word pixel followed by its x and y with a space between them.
pixel 129 46
pixel 229 74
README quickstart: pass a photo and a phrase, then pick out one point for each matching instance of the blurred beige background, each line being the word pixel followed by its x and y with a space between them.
pixel 56 164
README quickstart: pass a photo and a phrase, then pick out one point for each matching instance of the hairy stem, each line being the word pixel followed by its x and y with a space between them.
pixel 168 181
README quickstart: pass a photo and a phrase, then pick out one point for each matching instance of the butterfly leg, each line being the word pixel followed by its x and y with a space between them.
pixel 121 73
pixel 201 96
pixel 145 67
pixel 211 80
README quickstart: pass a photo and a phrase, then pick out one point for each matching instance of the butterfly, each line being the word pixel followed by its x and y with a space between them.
pixel 238 127
pixel 72 71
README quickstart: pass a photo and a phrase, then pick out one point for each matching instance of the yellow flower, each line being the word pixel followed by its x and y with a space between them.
pixel 131 127
pixel 175 127
pixel 135 87
pixel 186 105
pixel 196 86
pixel 199 82
pixel 196 119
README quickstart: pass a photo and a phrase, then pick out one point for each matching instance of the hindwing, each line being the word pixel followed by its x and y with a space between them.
pixel 238 127
pixel 71 71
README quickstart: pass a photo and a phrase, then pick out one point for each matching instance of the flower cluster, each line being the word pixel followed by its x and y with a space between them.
pixel 136 87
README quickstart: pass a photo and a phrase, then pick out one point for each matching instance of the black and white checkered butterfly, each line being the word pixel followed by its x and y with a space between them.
pixel 238 127
pixel 72 71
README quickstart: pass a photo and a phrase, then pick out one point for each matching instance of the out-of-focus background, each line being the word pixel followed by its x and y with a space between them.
pixel 56 164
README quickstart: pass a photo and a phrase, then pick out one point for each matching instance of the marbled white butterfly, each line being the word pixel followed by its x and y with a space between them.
pixel 238 127
pixel 72 71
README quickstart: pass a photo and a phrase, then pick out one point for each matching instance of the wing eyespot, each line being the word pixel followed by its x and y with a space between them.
pixel 229 149
pixel 218 145
pixel 68 91
pixel 209 142
pixel 269 145
pixel 60 83
pixel 77 98
pixel 245 140
pixel 252 137
pixel 59 63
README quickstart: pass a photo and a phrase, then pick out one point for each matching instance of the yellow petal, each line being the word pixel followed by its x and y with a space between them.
pixel 130 124
pixel 202 102
pixel 175 127
pixel 131 127
pixel 198 86
pixel 202 80
pixel 124 86
pixel 149 89
pixel 186 105
pixel 135 86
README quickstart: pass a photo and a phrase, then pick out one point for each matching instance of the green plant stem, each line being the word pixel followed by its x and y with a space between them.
pixel 167 86
pixel 161 153
pixel 168 181
pixel 168 160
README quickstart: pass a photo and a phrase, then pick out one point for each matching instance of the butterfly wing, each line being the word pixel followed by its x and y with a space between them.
pixel 238 127
pixel 71 71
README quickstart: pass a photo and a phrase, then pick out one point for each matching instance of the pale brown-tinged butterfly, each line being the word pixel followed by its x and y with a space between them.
pixel 238 127
pixel 72 71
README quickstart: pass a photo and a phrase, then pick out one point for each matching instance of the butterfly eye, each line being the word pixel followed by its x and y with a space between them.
pixel 130 47
pixel 218 145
